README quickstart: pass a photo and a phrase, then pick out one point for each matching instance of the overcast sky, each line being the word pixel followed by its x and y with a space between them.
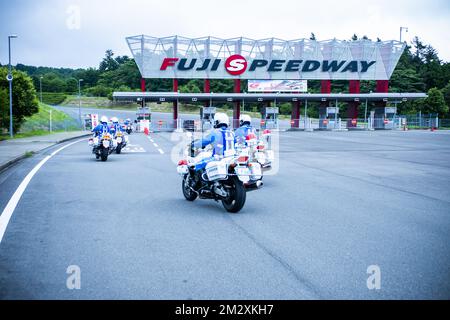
pixel 51 33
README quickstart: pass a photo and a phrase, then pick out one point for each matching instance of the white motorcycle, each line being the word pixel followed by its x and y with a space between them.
pixel 120 142
pixel 219 178
pixel 101 146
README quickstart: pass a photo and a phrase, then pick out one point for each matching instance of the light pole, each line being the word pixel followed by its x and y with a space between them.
pixel 40 87
pixel 79 99
pixel 9 77
pixel 401 29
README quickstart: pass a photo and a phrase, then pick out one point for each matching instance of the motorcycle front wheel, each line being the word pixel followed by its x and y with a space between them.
pixel 119 149
pixel 237 195
pixel 188 193
pixel 104 154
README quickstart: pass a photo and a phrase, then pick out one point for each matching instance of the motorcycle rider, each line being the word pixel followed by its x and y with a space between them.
pixel 115 126
pixel 245 128
pixel 221 138
pixel 102 127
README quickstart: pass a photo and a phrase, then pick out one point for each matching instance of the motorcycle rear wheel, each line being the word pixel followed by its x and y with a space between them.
pixel 236 200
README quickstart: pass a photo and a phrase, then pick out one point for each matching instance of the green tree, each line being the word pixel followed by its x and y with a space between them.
pixel 53 82
pixel 191 86
pixel 72 85
pixel 446 94
pixel 25 102
pixel 435 102
pixel 108 63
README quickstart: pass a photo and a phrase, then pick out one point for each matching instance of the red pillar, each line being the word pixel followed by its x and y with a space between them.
pixel 175 104
pixel 295 115
pixel 237 104
pixel 382 86
pixel 325 86
pixel 207 89
pixel 352 109
pixel 142 84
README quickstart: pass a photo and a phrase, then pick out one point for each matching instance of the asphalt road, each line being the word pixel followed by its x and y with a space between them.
pixel 341 202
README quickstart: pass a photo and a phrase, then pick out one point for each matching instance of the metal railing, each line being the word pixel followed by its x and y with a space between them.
pixel 310 124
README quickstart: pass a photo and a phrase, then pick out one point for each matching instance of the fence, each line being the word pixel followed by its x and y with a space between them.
pixel 309 124
pixel 50 126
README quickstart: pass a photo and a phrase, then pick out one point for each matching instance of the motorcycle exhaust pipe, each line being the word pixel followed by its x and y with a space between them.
pixel 253 186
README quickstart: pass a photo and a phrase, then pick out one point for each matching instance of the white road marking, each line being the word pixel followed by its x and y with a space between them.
pixel 161 151
pixel 12 203
pixel 133 148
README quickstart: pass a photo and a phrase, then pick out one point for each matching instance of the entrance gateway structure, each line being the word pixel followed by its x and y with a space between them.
pixel 209 58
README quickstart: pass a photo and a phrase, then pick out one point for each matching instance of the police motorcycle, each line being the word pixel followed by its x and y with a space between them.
pixel 127 126
pixel 217 172
pixel 101 141
pixel 247 143
pixel 120 140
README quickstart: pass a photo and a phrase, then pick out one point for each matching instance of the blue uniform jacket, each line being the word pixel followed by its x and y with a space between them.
pixel 100 129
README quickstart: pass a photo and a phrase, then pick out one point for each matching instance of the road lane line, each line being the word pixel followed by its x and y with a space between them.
pixel 161 151
pixel 12 203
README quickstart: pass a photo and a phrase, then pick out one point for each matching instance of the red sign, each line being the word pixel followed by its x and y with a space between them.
pixel 236 65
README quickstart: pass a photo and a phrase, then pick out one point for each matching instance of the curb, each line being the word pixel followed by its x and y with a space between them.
pixel 11 162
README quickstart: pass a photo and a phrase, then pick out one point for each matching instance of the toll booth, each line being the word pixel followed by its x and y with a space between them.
pixel 143 113
pixel 328 118
pixel 385 118
pixel 269 118
pixel 207 117
pixel 143 117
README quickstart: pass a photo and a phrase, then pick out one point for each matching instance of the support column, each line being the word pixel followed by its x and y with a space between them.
pixel 352 108
pixel 237 104
pixel 295 115
pixel 207 89
pixel 382 87
pixel 175 105
pixel 143 84
pixel 325 87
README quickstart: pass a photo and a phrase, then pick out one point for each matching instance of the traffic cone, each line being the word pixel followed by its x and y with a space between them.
pixel 146 132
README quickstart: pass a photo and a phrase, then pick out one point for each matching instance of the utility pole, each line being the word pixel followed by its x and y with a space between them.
pixel 9 77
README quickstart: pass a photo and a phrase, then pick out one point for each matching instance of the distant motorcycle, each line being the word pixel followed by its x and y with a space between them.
pixel 128 128
pixel 120 142
pixel 226 179
pixel 101 146
pixel 257 150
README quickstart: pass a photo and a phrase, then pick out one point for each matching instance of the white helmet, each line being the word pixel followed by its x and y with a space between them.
pixel 114 119
pixel 104 119
pixel 221 118
pixel 244 118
